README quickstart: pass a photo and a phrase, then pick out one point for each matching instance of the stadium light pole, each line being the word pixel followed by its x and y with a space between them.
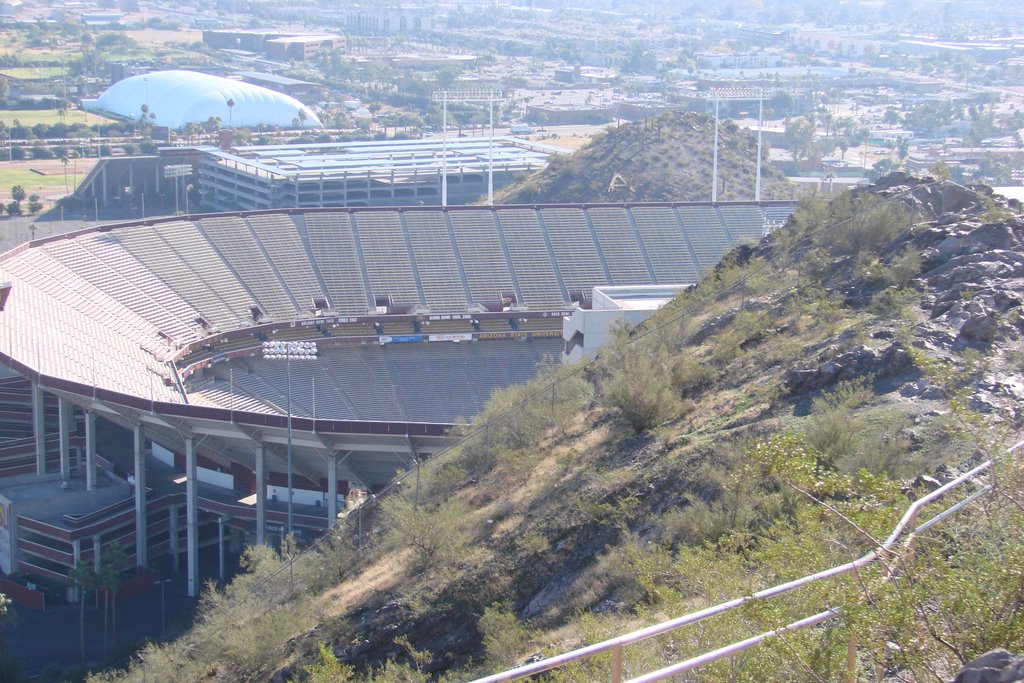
pixel 739 95
pixel 714 164
pixel 760 130
pixel 177 171
pixel 488 95
pixel 287 351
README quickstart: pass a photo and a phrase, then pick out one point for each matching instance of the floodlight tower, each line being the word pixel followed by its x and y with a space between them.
pixel 287 351
pixel 178 171
pixel 488 95
pixel 737 95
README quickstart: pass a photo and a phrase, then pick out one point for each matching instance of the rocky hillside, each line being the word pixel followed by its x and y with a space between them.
pixel 667 159
pixel 771 421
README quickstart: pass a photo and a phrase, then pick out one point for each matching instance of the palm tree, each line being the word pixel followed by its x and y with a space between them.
pixel 231 106
pixel 85 578
pixel 64 160
pixel 7 616
pixel 114 561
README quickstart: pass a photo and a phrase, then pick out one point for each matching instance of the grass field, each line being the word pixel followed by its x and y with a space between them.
pixel 49 186
pixel 30 117
pixel 34 54
pixel 32 72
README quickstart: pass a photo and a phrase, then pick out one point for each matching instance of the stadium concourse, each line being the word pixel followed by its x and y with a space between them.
pixel 415 317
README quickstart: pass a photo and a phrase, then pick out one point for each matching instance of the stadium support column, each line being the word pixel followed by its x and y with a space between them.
pixel 192 516
pixel 175 535
pixel 220 548
pixel 96 549
pixel 64 413
pixel 261 495
pixel 141 540
pixel 90 450
pixel 332 490
pixel 39 428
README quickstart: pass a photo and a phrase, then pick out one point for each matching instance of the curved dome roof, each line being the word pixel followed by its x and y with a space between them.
pixel 181 97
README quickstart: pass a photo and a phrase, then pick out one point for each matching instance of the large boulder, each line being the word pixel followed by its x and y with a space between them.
pixel 995 666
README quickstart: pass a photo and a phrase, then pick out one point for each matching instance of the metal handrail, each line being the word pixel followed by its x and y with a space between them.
pixel 615 645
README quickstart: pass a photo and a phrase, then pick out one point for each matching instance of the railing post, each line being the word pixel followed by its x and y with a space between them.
pixel 851 660
pixel 617 664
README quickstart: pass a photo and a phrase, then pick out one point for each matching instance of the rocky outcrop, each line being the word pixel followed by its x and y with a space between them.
pixel 834 365
pixel 995 666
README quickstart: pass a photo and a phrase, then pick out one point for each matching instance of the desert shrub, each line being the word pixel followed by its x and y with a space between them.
pixel 863 224
pixel 903 268
pixel 328 669
pixel 690 376
pixel 439 533
pixel 517 417
pixel 641 391
pixel 505 638
pixel 833 431
pixel 898 304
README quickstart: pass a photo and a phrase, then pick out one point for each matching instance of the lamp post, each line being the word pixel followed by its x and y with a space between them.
pixel 177 171
pixel 287 351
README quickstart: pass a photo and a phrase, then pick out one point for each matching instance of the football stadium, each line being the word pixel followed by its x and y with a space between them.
pixel 217 379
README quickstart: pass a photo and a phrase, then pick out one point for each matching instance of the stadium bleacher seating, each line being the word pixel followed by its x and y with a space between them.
pixel 283 244
pixel 574 248
pixel 334 253
pixel 746 222
pixel 618 243
pixel 531 259
pixel 665 245
pixel 386 256
pixel 237 246
pixel 708 238
pixel 482 255
pixel 143 291
pixel 436 263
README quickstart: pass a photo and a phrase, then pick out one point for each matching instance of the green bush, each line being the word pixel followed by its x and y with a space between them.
pixel 439 533
pixel 505 638
pixel 864 224
pixel 641 391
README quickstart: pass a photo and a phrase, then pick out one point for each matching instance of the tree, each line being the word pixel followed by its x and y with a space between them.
pixel 329 669
pixel 35 204
pixel 5 91
pixel 799 135
pixel 64 160
pixel 7 616
pixel 85 577
pixel 114 561
pixel 18 193
pixel 231 107
pixel 891 117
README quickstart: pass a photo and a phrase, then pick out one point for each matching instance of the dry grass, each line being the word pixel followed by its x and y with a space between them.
pixel 382 575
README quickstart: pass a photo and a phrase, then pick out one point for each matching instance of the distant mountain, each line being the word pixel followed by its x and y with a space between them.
pixel 668 158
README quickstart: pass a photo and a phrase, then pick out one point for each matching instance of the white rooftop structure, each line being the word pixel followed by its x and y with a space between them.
pixel 587 330
pixel 176 98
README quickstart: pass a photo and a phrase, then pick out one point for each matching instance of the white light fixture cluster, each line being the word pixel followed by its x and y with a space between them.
pixel 289 350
